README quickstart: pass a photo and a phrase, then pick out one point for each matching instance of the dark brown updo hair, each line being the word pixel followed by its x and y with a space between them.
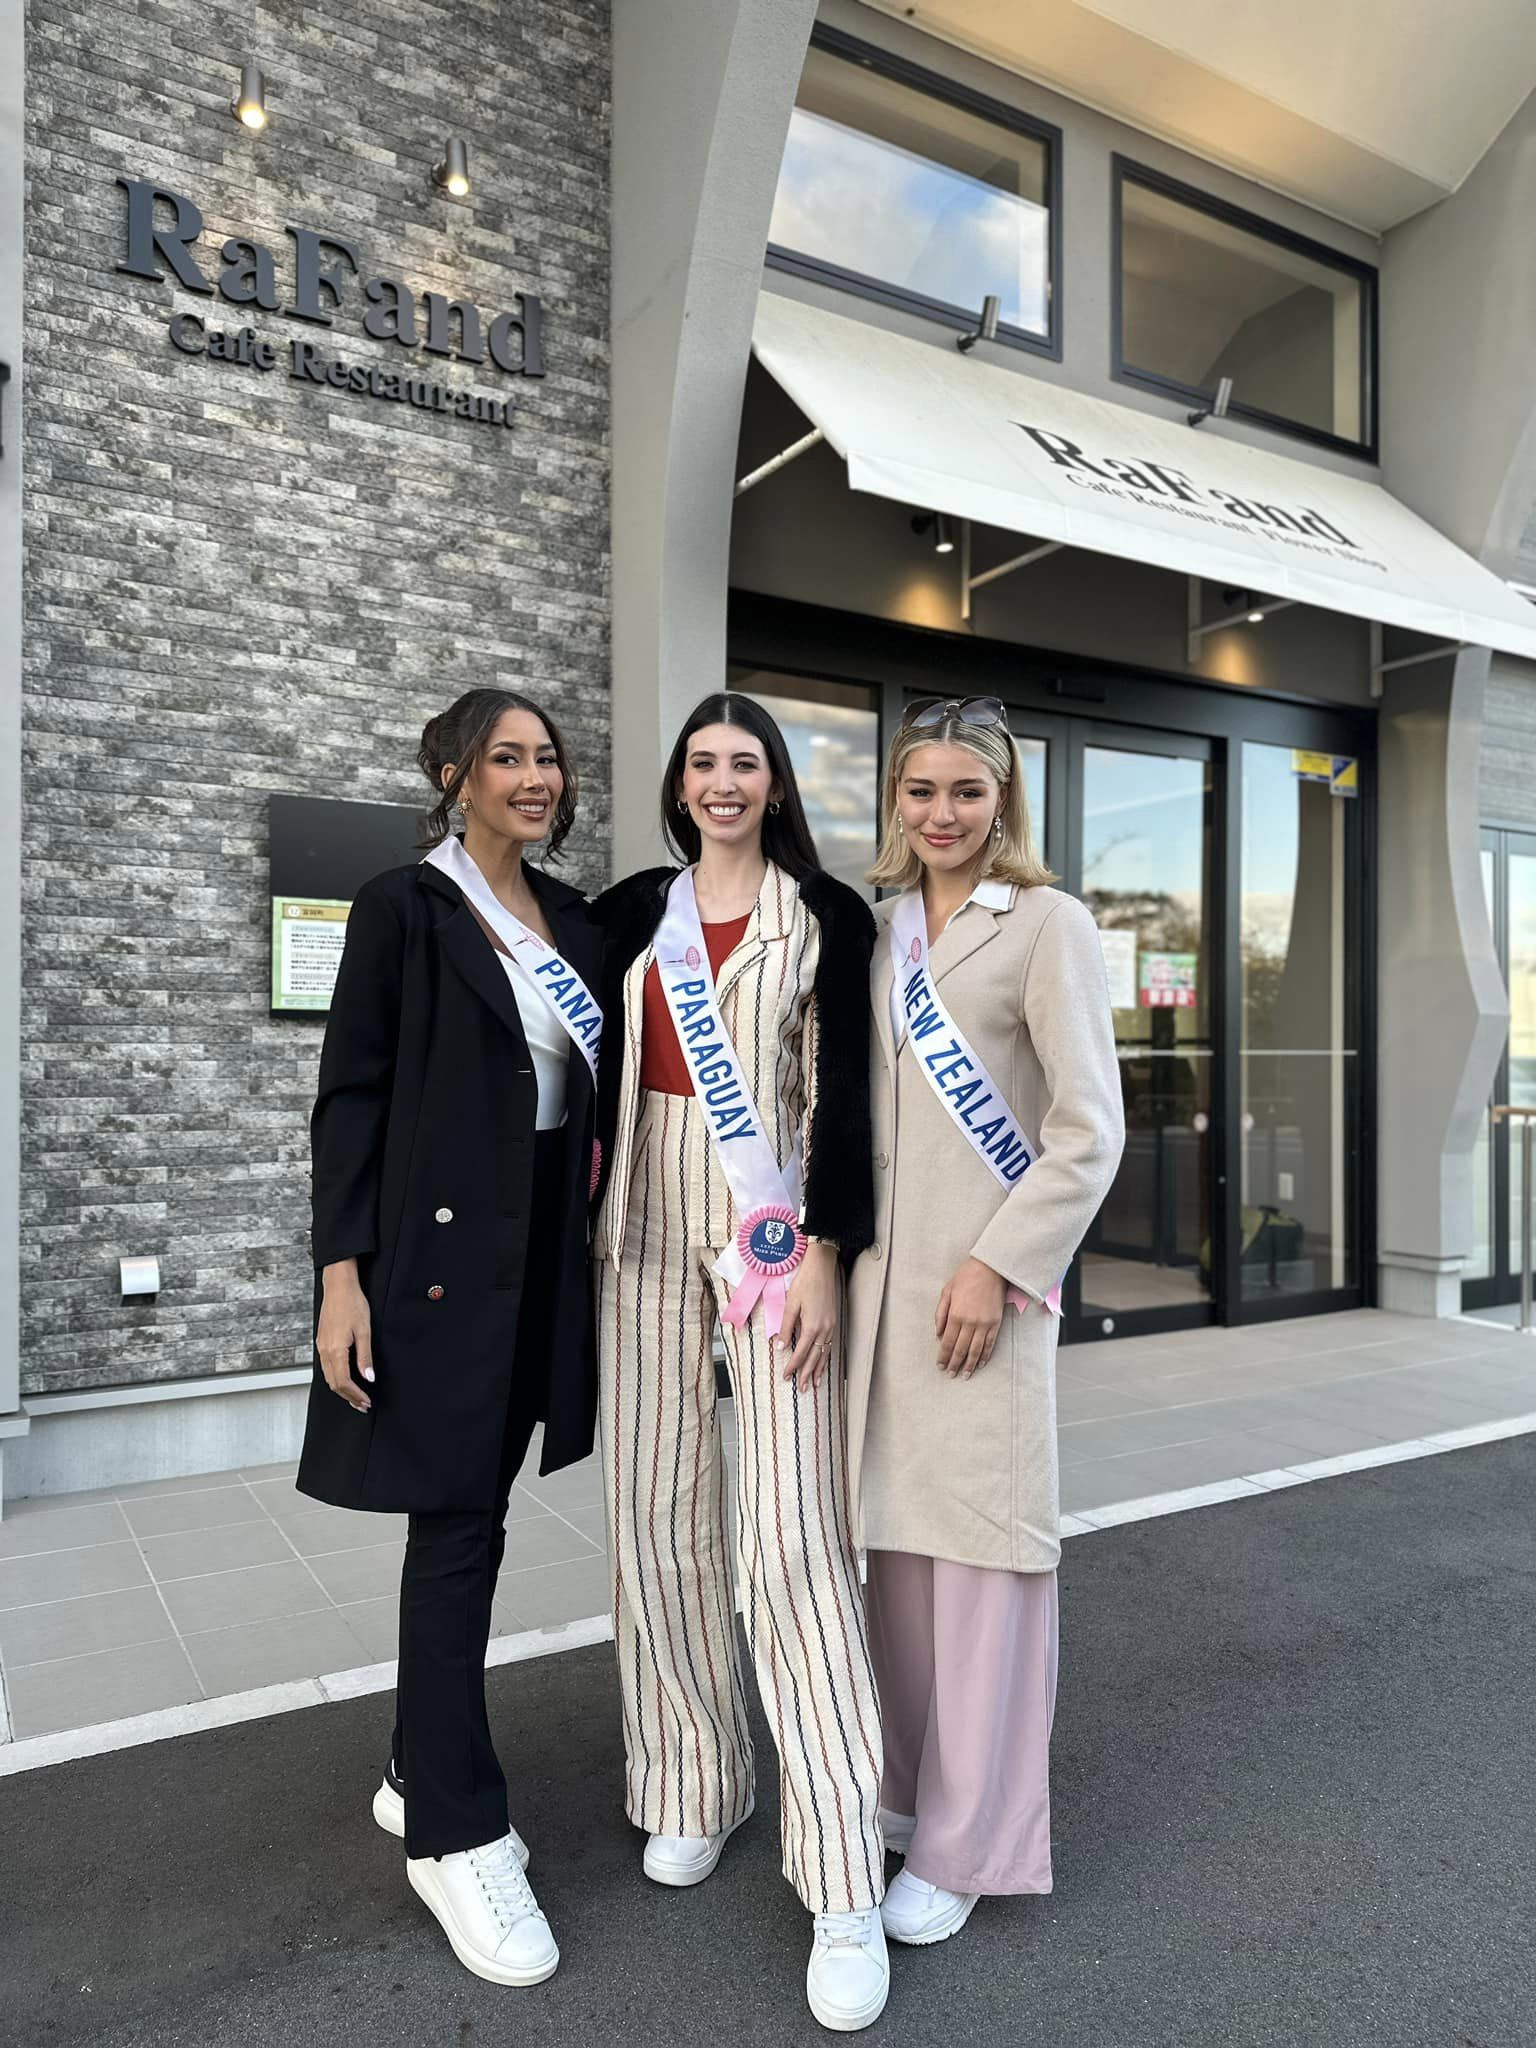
pixel 461 735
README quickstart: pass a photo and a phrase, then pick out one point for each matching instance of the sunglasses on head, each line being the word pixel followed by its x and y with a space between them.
pixel 931 711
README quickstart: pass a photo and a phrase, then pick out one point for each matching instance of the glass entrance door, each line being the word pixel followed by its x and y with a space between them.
pixel 1298 1048
pixel 1140 858
pixel 1492 1274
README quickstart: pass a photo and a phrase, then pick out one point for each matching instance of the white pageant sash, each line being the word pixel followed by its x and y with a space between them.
pixel 769 1244
pixel 539 965
pixel 949 1064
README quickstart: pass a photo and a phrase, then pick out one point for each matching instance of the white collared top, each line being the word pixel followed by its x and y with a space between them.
pixel 991 894
pixel 547 1043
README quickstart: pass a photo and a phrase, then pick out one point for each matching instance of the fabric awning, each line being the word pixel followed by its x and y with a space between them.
pixel 947 433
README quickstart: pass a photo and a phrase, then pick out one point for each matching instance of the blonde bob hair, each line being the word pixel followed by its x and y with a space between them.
pixel 1011 855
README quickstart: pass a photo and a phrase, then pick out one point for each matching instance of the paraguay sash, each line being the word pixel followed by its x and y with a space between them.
pixel 971 1097
pixel 769 1243
pixel 538 965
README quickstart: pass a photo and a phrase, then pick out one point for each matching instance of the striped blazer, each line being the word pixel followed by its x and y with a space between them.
pixel 794 995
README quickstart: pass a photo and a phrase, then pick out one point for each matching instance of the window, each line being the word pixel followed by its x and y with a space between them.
pixel 832 731
pixel 1205 291
pixel 908 189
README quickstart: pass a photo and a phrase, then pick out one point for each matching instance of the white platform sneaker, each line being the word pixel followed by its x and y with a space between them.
pixel 898 1830
pixel 687 1859
pixel 920 1913
pixel 848 1978
pixel 486 1908
pixel 389 1812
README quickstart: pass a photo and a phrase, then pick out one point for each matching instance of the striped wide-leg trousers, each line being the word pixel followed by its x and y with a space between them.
pixel 689 1754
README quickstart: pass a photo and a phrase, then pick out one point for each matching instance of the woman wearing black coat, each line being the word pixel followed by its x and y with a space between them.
pixel 453 1154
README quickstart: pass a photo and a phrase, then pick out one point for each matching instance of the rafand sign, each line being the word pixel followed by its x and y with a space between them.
pixel 162 229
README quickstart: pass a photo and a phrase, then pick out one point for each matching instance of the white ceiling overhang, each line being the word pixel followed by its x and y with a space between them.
pixel 931 428
pixel 1370 110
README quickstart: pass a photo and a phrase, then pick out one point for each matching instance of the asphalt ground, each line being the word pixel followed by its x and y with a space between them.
pixel 1295 1801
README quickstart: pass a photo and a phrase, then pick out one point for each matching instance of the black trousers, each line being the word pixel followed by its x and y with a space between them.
pixel 455 1792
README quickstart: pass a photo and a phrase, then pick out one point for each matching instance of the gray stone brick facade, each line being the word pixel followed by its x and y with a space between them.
pixel 239 583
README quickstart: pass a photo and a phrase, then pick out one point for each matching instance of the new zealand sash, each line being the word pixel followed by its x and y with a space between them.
pixel 769 1243
pixel 538 965
pixel 971 1097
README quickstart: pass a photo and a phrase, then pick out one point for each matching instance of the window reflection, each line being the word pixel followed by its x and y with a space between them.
pixel 904 189
pixel 832 731
pixel 1145 868
pixel 1299 1069
pixel 1522 1027
pixel 1203 299
pixel 1479 1265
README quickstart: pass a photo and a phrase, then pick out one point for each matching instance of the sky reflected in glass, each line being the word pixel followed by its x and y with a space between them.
pixel 869 206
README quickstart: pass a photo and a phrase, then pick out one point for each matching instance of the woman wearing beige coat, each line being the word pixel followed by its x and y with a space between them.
pixel 953 1310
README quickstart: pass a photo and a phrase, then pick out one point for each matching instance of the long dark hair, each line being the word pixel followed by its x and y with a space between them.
pixel 787 840
pixel 461 734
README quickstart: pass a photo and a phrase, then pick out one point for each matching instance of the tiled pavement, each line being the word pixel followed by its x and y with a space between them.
pixel 149 1596
pixel 117 1603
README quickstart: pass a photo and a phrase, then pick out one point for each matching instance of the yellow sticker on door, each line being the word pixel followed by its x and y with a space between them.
pixel 1341 772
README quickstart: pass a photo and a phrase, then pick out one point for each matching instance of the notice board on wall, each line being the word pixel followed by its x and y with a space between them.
pixel 320 854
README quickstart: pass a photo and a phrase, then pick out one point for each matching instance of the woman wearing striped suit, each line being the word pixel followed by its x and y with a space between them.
pixel 752 1060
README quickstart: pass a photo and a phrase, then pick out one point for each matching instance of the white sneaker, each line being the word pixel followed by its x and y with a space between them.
pixel 917 1912
pixel 849 1975
pixel 389 1812
pixel 898 1830
pixel 487 1910
pixel 687 1859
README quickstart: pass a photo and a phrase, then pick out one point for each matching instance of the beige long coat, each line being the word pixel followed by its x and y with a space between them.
pixel 966 1469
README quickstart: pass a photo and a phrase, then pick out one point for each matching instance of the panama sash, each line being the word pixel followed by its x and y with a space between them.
pixel 537 964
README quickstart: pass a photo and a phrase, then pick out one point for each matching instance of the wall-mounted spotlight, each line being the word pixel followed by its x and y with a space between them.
pixel 1255 617
pixel 1217 409
pixel 986 328
pixel 941 526
pixel 453 172
pixel 249 105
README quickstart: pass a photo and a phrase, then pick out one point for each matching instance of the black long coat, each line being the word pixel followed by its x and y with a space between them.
pixel 426 1109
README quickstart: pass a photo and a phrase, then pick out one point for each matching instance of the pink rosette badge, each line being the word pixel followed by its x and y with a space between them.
pixel 772 1245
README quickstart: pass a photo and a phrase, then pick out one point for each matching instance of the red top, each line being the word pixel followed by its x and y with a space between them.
pixel 662 1066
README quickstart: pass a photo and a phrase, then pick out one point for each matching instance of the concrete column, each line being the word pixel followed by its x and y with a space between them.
pixel 702 94
pixel 12 184
pixel 1443 1012
pixel 1458 420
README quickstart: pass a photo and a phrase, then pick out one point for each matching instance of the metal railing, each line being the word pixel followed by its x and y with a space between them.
pixel 1527 1116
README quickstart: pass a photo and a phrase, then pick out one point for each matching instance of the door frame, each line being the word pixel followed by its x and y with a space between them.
pixel 1502 1286
pixel 1085 733
pixel 1048 691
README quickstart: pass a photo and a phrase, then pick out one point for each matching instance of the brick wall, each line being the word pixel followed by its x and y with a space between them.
pixel 237 583
pixel 1509 743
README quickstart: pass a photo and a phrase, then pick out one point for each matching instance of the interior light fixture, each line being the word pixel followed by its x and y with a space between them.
pixel 249 105
pixel 941 526
pixel 453 172
pixel 1256 617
